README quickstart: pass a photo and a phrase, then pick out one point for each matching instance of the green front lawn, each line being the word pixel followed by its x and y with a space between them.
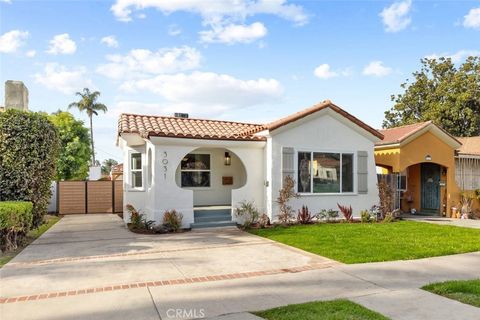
pixel 466 291
pixel 365 242
pixel 32 235
pixel 324 310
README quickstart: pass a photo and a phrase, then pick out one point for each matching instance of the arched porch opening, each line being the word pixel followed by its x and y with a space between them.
pixel 212 174
pixel 424 188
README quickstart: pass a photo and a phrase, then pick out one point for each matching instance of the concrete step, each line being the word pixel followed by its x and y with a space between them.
pixel 211 212
pixel 198 225
pixel 214 218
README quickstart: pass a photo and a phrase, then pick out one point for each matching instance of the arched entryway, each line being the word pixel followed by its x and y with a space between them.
pixel 211 174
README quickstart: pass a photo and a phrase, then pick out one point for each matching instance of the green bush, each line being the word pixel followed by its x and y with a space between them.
pixel 365 216
pixel 28 152
pixel 15 221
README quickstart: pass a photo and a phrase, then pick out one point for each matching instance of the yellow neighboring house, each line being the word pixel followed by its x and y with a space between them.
pixel 429 162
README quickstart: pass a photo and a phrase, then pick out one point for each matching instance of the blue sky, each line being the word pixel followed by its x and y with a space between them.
pixel 240 60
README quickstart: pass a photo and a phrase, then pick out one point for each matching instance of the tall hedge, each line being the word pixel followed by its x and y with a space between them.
pixel 15 222
pixel 29 147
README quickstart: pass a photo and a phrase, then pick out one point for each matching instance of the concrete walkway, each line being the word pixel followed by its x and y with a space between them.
pixel 91 267
pixel 467 223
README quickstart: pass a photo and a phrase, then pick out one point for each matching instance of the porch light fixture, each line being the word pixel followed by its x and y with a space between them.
pixel 428 157
pixel 228 159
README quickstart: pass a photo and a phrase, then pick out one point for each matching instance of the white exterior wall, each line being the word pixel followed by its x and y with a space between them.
pixel 253 189
pixel 164 192
pixel 135 197
pixel 329 132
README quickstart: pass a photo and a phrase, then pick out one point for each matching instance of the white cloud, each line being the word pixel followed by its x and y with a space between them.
pixel 31 53
pixel 60 78
pixel 456 57
pixel 199 90
pixel 323 71
pixel 174 30
pixel 139 63
pixel 377 69
pixel 472 19
pixel 12 40
pixel 62 44
pixel 7 1
pixel 143 62
pixel 110 41
pixel 234 33
pixel 214 11
pixel 396 17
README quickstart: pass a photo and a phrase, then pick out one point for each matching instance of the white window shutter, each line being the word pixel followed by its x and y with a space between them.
pixel 362 171
pixel 288 168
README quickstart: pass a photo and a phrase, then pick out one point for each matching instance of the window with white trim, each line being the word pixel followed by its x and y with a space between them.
pixel 195 170
pixel 136 172
pixel 325 172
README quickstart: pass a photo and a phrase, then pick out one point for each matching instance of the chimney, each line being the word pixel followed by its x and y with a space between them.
pixel 16 95
pixel 181 115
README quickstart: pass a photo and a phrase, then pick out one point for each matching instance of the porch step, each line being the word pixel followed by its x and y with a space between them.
pixel 216 224
pixel 211 212
pixel 210 217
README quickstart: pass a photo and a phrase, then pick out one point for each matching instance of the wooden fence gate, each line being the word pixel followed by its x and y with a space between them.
pixel 90 197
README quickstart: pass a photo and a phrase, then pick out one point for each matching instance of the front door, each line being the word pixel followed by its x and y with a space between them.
pixel 430 188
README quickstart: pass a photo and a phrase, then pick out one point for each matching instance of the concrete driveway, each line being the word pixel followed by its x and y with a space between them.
pixel 91 267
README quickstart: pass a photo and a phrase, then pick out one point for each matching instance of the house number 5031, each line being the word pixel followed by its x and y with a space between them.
pixel 165 163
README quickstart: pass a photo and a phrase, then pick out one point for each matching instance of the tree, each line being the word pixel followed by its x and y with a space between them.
pixel 107 165
pixel 89 104
pixel 28 153
pixel 442 92
pixel 75 151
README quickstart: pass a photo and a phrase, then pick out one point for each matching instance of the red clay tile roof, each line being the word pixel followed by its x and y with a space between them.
pixel 398 134
pixel 162 126
pixel 470 145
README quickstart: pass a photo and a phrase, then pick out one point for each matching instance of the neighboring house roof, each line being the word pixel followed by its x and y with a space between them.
pixel 117 169
pixel 403 134
pixel 470 146
pixel 163 126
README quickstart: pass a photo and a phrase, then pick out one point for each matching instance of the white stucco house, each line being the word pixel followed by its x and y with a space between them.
pixel 204 168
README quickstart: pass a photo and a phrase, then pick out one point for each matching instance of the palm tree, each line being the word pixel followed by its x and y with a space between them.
pixel 89 104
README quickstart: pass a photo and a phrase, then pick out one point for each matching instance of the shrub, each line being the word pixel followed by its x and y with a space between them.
pixel 327 215
pixel 347 212
pixel 28 153
pixel 365 216
pixel 15 222
pixel 138 220
pixel 172 220
pixel 263 221
pixel 304 216
pixel 285 194
pixel 386 194
pixel 135 216
pixel 248 212
pixel 389 217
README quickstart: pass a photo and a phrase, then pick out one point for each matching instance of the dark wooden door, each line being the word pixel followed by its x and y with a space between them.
pixel 430 187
